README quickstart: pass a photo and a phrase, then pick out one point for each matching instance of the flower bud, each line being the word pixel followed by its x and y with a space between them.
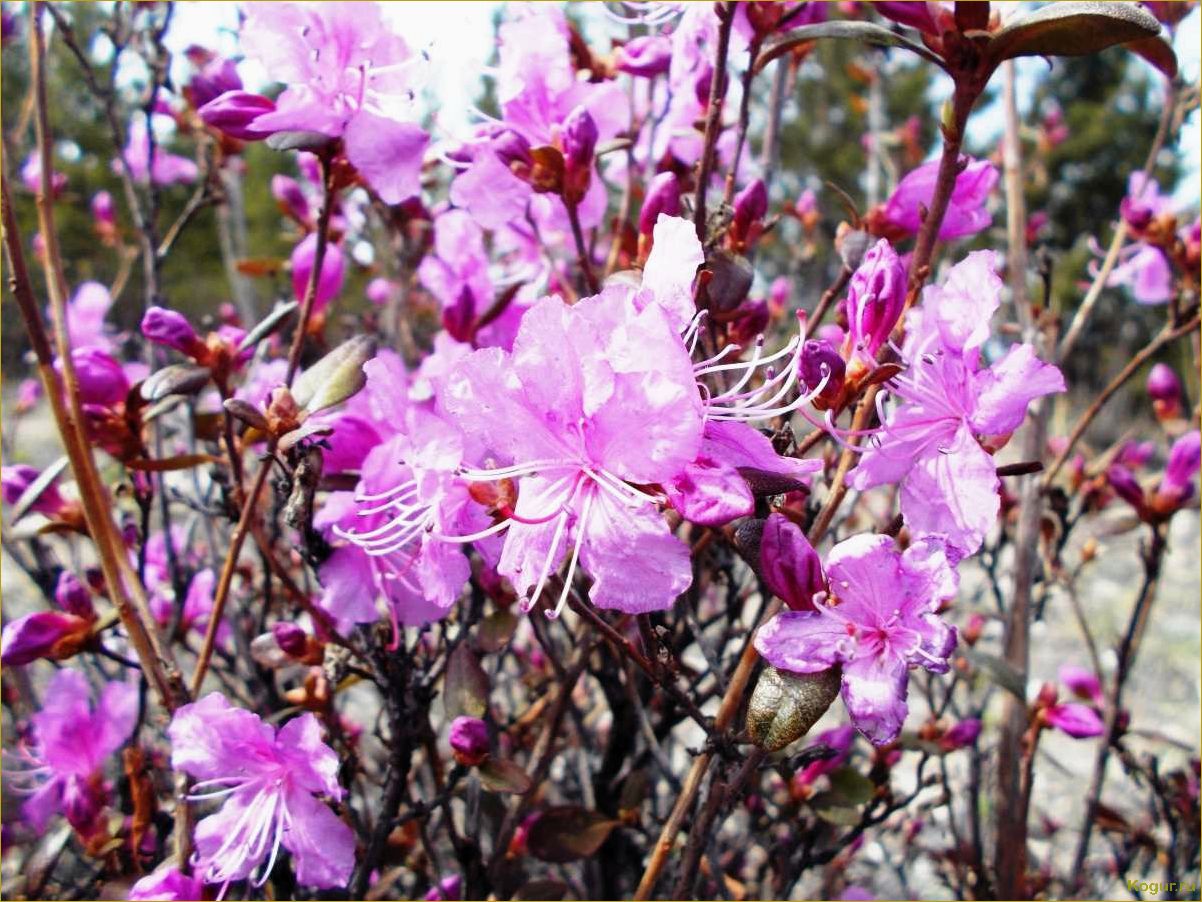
pixel 751 320
pixel 819 360
pixel 645 56
pixel 329 283
pixel 789 565
pixel 459 319
pixel 704 82
pixel 1047 696
pixel 469 740
pixel 1176 487
pixel 103 209
pixel 448 889
pixel 751 205
pixel 513 150
pixel 235 112
pixel 290 198
pixel 291 639
pixel 663 197
pixel 971 634
pixel 31 176
pixel 876 297
pixel 29 392
pixel 215 78
pixel 785 705
pixel 1164 388
pixel 170 328
pixel 380 291
pixel 579 137
pixel 44 634
pixel 961 735
pixel 1126 486
pixel 82 802
pixel 102 381
pixel 1074 719
pixel 73 597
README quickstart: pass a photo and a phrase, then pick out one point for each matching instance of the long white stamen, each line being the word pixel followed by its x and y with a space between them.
pixel 581 532
pixel 530 602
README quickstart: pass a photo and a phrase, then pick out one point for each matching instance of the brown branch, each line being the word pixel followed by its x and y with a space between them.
pixel 713 118
pixel 319 258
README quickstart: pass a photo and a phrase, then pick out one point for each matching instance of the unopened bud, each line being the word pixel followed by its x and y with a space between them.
pixel 579 137
pixel 819 361
pixel 1164 388
pixel 784 706
pixel 663 197
pixel 751 205
pixel 645 56
pixel 789 564
pixel 876 297
pixel 235 112
pixel 73 597
pixel 290 198
pixel 1126 486
pixel 469 740
pixel 1176 487
pixel 170 328
pixel 291 639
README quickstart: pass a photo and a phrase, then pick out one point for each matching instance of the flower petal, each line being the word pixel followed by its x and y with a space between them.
pixel 387 153
pixel 800 641
pixel 322 846
pixel 874 691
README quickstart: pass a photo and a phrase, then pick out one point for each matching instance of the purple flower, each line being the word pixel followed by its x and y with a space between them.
pixel 85 316
pixel 168 884
pixel 839 740
pixel 270 781
pixel 1143 202
pixel 329 283
pixel 645 56
pixel 1077 720
pixel 170 328
pixel 71 741
pixel 1126 486
pixel 1176 487
pixel 876 297
pixel 291 199
pixel 789 564
pixel 104 211
pixel 168 168
pixel 16 479
pixel 879 622
pixel 457 272
pixel 349 76
pixel 31 176
pixel 928 443
pixel 380 291
pixel 236 112
pixel 102 380
pixel 966 213
pixel 820 361
pixel 469 740
pixel 1145 272
pixel 915 15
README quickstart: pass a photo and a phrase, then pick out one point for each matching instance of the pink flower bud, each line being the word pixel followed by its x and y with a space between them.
pixel 579 137
pixel 104 211
pixel 1176 487
pixel 16 479
pixel 170 328
pixel 459 319
pixel 876 297
pixel 513 150
pixel 807 203
pixel 789 564
pixel 290 198
pixel 102 381
pixel 962 734
pixel 29 392
pixel 1076 720
pixel 1164 388
pixel 31 176
pixel 821 361
pixel 751 205
pixel 915 15
pixel 663 197
pixel 380 291
pixel 43 634
pixel 448 889
pixel 73 596
pixel 218 76
pixel 329 283
pixel 645 56
pixel 469 740
pixel 291 639
pixel 235 112
pixel 1126 486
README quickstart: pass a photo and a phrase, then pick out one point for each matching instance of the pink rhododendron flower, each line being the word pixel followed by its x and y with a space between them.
pixel 966 213
pixel 71 742
pixel 1145 272
pixel 167 168
pixel 1082 682
pixel 878 622
pixel 167 884
pixel 270 780
pixel 329 282
pixel 349 76
pixel 929 442
pixel 1076 720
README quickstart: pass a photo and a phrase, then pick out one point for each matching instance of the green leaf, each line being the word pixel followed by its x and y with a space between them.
pixel 336 376
pixel 866 32
pixel 852 785
pixel 503 775
pixel 834 809
pixel 298 141
pixel 177 379
pixel 496 630
pixel 998 671
pixel 269 324
pixel 567 833
pixel 1072 29
pixel 465 690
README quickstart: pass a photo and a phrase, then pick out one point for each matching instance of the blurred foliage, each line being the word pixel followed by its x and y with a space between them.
pixel 1110 106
